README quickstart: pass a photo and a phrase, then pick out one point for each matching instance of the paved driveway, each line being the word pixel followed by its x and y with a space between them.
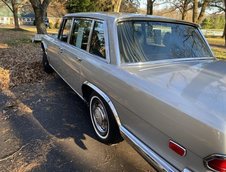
pixel 45 127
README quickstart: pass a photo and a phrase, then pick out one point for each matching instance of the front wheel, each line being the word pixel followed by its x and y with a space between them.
pixel 103 120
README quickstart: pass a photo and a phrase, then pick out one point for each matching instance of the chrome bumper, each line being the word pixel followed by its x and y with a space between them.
pixel 154 159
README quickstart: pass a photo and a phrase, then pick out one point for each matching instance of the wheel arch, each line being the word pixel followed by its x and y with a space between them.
pixel 88 88
pixel 44 46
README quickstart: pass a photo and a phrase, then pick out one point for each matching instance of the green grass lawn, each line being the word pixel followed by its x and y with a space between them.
pixel 24 35
pixel 217 45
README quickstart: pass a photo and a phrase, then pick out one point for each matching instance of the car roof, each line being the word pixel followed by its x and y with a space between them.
pixel 126 16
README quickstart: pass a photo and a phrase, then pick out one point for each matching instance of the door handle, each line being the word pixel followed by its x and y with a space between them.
pixel 79 59
pixel 61 50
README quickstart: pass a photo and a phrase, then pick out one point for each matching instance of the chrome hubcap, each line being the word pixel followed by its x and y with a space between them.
pixel 99 118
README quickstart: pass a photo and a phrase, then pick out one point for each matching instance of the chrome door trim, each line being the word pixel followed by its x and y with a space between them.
pixel 107 99
pixel 153 158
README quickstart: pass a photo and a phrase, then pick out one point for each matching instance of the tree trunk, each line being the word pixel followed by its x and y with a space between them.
pixel 202 12
pixel 40 14
pixel 39 21
pixel 184 14
pixel 195 11
pixel 150 5
pixel 117 5
pixel 15 14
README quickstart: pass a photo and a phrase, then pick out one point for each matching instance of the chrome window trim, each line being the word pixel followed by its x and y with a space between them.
pixel 206 42
pixel 69 36
pixel 106 41
pixel 90 36
pixel 166 61
pixel 146 18
pixel 116 42
pixel 157 61
pixel 211 157
pixel 61 29
pixel 84 51
pixel 107 59
pixel 152 157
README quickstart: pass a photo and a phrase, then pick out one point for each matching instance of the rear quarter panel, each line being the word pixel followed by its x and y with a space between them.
pixel 151 120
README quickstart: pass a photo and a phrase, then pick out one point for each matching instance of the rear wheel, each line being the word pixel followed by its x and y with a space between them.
pixel 47 68
pixel 103 120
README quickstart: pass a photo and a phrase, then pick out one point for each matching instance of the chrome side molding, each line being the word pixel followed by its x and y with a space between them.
pixel 153 158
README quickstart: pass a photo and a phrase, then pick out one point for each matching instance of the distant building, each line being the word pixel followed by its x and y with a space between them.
pixel 27 16
pixel 6 16
pixel 28 19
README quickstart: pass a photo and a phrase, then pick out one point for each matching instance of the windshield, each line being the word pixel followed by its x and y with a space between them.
pixel 143 41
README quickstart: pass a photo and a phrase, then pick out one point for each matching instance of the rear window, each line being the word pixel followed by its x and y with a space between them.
pixel 143 41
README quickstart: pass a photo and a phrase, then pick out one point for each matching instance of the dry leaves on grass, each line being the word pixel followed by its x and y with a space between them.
pixel 21 64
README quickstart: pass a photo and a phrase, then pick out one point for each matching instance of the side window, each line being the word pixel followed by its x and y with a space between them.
pixel 97 44
pixel 80 33
pixel 65 30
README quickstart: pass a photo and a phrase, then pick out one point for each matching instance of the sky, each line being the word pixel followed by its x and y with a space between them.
pixel 143 3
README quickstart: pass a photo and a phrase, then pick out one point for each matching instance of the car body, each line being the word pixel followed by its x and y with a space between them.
pixel 172 109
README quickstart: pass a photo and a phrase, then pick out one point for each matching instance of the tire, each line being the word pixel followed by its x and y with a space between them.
pixel 47 68
pixel 103 121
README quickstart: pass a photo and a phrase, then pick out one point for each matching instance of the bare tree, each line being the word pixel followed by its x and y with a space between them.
pixel 13 6
pixel 40 8
pixel 183 6
pixel 197 16
pixel 150 6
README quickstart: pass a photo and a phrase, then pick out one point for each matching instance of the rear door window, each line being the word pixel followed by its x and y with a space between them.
pixel 80 33
pixel 97 44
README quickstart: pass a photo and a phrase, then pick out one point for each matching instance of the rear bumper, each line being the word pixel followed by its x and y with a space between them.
pixel 153 158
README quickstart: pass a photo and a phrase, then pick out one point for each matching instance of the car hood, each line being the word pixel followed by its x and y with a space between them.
pixel 195 86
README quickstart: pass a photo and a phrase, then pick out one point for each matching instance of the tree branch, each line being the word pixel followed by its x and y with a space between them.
pixel 4 1
pixel 218 6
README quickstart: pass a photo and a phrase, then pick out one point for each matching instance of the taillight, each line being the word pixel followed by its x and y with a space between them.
pixel 177 148
pixel 216 163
